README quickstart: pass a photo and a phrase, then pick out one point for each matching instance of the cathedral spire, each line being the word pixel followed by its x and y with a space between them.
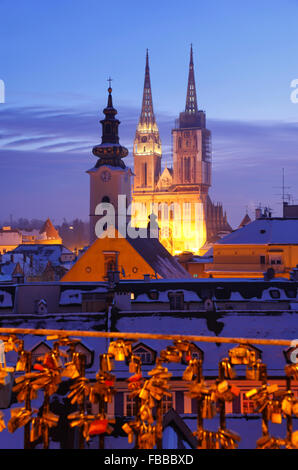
pixel 147 114
pixel 191 106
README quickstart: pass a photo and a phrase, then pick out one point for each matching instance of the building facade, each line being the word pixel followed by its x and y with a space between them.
pixel 267 246
pixel 187 218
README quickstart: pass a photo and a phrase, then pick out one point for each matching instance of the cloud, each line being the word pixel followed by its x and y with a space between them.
pixel 54 146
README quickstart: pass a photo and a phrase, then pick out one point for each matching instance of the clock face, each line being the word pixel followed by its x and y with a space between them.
pixel 106 176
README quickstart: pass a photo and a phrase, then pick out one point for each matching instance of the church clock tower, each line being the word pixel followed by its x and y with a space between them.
pixel 110 177
pixel 147 144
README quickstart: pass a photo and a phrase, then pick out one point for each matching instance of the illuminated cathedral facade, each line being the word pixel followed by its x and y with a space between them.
pixel 187 218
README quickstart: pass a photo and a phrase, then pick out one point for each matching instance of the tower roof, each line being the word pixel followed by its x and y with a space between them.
pixel 147 113
pixel 246 220
pixel 191 106
pixel 110 152
pixel 191 117
pixel 49 229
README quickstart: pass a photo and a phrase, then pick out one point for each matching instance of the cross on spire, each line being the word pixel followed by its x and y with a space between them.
pixel 110 80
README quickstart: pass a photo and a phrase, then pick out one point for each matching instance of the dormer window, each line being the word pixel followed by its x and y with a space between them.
pixel 176 300
pixel 145 353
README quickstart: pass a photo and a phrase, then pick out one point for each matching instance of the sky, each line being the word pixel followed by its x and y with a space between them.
pixel 56 57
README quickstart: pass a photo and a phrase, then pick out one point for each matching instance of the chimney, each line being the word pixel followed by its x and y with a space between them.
pixel 258 213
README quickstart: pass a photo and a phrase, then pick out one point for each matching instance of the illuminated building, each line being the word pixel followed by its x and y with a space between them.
pixel 113 253
pixel 187 218
pixel 11 238
pixel 267 246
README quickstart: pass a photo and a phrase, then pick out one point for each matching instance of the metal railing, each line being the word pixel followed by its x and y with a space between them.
pixel 145 429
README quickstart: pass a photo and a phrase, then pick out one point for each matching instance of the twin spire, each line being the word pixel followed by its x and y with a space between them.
pixel 147 114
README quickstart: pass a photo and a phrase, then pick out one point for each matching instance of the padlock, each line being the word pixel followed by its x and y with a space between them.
pixel 251 393
pixel 294 439
pixel 295 408
pixel 36 429
pixel 70 370
pixel 225 366
pixel 98 426
pixel 171 354
pixel 222 387
pixel 287 405
pixel 134 364
pixel 208 407
pixel 182 345
pixel 106 362
pixel 144 394
pixel 274 412
pixel 22 361
pixel 238 355
pixel 256 371
pixel 291 370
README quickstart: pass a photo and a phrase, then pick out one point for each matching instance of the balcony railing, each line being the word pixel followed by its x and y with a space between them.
pixel 144 430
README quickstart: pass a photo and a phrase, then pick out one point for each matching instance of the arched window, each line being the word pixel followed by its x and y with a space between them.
pixel 105 199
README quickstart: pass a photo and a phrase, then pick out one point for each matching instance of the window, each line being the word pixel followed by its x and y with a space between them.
pixel 262 259
pixel 110 262
pixel 144 354
pixel 145 174
pixel 247 405
pixel 129 405
pixel 153 295
pixel 167 403
pixel 275 259
pixel 176 301
pixel 274 294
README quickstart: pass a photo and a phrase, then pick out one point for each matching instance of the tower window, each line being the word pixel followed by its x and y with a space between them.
pixel 145 174
pixel 105 199
pixel 110 262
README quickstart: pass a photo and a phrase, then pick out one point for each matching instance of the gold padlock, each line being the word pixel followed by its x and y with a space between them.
pixel 106 362
pixel 223 386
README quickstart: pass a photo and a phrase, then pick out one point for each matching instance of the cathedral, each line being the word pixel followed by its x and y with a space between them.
pixel 187 218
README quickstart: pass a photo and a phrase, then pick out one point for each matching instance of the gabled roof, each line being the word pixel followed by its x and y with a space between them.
pixel 17 270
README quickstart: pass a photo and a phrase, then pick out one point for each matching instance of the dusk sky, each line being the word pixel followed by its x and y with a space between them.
pixel 56 56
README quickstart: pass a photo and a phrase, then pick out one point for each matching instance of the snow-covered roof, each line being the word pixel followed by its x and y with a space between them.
pixel 6 299
pixel 275 231
pixel 33 258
